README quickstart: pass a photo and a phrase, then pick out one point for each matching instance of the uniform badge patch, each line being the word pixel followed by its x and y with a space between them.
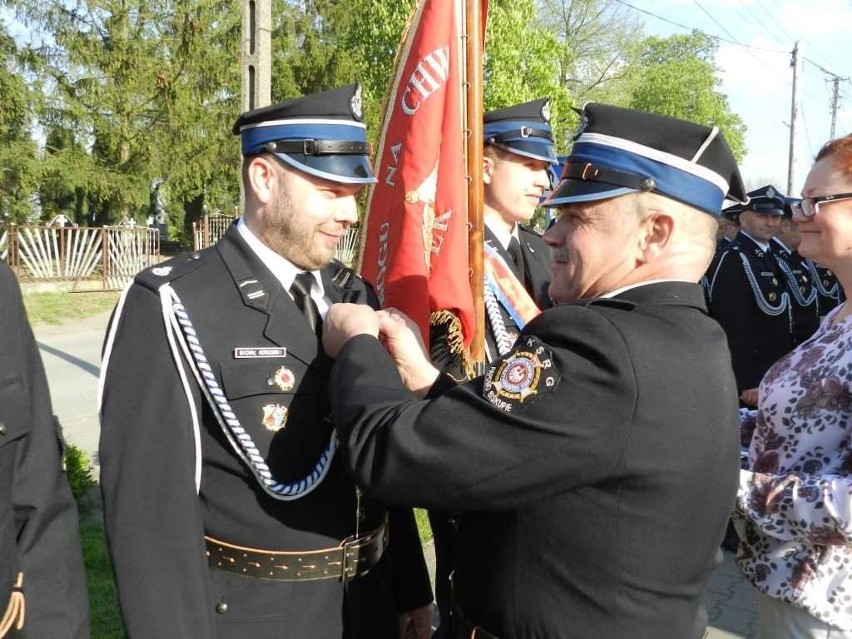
pixel 521 376
pixel 283 378
pixel 355 104
pixel 161 271
pixel 545 111
pixel 259 352
pixel 274 417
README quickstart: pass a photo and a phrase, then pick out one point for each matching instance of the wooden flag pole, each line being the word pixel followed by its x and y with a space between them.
pixel 473 35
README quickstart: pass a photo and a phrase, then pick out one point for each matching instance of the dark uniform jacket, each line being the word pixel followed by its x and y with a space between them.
pixel 596 464
pixel 536 280
pixel 804 307
pixel 829 292
pixel 749 299
pixel 722 244
pixel 39 534
pixel 156 522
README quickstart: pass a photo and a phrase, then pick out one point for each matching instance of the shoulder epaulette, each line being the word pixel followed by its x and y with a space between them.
pixel 353 286
pixel 155 276
pixel 342 275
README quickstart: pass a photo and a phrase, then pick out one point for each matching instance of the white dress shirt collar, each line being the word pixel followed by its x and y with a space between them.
pixel 283 269
pixel 499 231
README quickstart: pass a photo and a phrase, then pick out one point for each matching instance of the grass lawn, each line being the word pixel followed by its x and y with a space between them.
pixel 423 527
pixel 104 615
pixel 61 307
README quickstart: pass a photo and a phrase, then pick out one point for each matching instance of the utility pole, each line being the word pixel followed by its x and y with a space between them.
pixel 256 54
pixel 256 63
pixel 835 104
pixel 794 115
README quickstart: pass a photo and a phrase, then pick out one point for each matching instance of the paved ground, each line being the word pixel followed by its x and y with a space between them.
pixel 71 356
pixel 72 359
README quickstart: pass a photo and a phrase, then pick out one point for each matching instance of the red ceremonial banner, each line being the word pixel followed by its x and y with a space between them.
pixel 414 243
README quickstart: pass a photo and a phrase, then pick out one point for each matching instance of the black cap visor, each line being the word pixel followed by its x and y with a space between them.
pixel 346 169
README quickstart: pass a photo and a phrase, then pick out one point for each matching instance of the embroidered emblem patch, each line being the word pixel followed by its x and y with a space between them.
pixel 521 376
pixel 274 417
pixel 283 378
pixel 161 271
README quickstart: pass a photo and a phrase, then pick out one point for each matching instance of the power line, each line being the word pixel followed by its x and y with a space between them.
pixel 775 20
pixel 761 27
pixel 731 40
pixel 789 35
pixel 823 69
pixel 802 37
pixel 744 18
pixel 715 21
pixel 688 28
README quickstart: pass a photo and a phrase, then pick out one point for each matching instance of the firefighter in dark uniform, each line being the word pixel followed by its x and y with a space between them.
pixel 228 511
pixel 593 495
pixel 518 155
pixel 729 226
pixel 804 298
pixel 42 581
pixel 518 152
pixel 748 296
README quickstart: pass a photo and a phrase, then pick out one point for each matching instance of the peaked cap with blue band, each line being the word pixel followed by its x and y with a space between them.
pixel 788 206
pixel 320 134
pixel 523 129
pixel 766 200
pixel 732 213
pixel 620 151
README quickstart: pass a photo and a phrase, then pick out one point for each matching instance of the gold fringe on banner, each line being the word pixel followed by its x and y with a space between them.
pixel 449 353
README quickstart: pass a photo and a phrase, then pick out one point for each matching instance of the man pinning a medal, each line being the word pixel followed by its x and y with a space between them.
pixel 517 155
pixel 228 511
pixel 593 497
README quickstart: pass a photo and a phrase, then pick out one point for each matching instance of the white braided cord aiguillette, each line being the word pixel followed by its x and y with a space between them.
pixel 240 439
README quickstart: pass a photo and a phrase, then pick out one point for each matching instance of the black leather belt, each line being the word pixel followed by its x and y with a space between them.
pixel 353 558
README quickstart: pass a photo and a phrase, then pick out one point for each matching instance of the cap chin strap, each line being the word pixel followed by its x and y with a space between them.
pixel 319 147
pixel 593 173
pixel 523 132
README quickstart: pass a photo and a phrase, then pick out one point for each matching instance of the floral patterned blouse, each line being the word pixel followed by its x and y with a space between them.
pixel 794 505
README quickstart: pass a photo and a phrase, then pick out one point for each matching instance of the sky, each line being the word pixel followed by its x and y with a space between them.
pixel 756 41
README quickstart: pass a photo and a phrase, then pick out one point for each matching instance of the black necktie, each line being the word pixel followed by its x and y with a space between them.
pixel 514 251
pixel 301 291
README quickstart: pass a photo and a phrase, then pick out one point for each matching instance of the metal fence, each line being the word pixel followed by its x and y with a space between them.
pixel 207 231
pixel 92 258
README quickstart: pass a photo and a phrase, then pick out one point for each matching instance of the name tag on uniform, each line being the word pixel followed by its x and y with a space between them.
pixel 259 353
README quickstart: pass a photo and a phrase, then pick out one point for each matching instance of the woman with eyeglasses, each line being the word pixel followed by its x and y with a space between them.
pixel 794 507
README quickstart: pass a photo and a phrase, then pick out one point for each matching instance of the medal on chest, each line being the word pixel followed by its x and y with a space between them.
pixel 274 417
pixel 283 378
